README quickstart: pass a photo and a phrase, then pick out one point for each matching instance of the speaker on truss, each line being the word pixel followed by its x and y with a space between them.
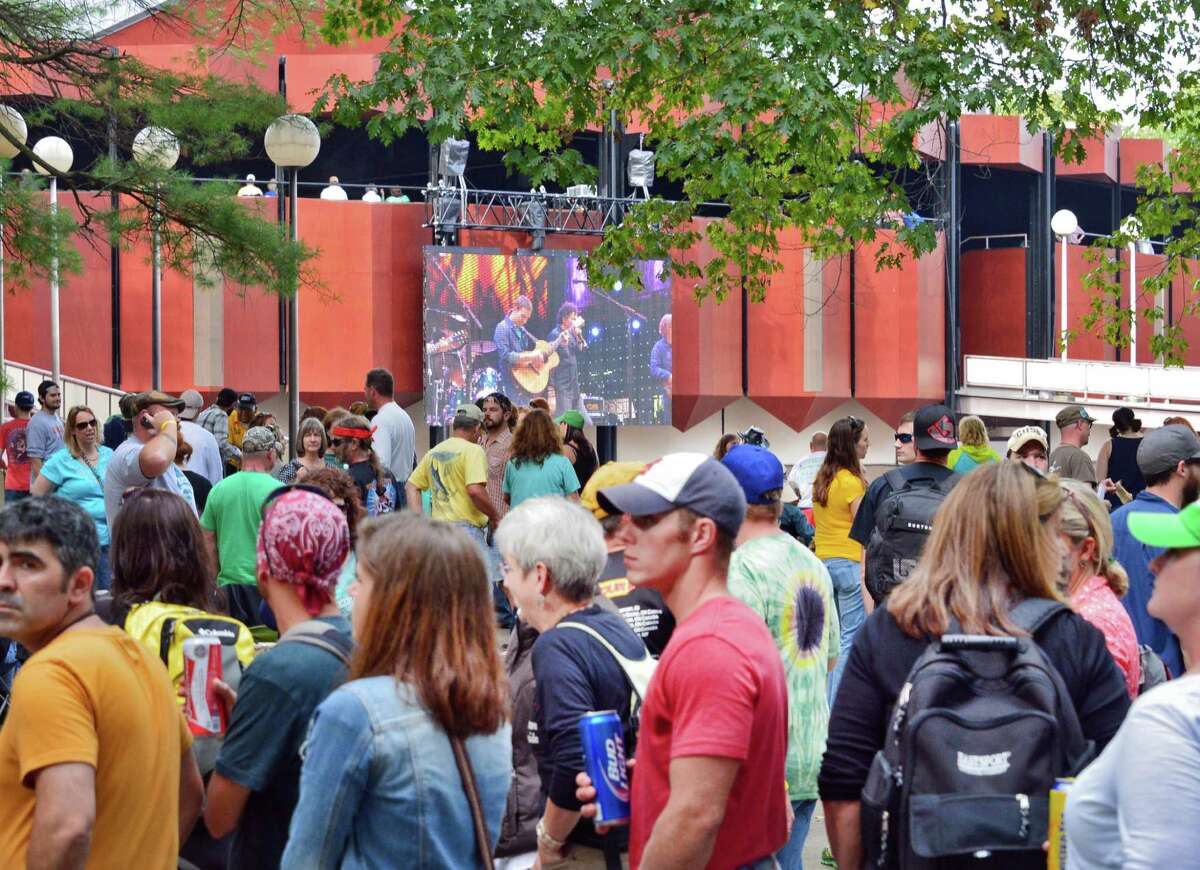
pixel 641 168
pixel 452 157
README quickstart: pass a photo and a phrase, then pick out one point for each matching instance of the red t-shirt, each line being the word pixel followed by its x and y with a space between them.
pixel 16 458
pixel 719 690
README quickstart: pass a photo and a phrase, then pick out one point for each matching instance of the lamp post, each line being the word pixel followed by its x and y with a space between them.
pixel 57 153
pixel 1132 228
pixel 14 125
pixel 156 148
pixel 1064 224
pixel 292 142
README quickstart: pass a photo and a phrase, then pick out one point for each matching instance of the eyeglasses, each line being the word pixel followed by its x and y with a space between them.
pixel 904 437
pixel 86 424
pixel 336 442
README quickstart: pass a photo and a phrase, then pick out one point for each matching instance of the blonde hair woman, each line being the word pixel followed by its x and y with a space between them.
pixel 974 449
pixel 995 543
pixel 1094 580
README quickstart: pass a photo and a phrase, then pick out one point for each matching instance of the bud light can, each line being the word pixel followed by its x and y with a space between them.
pixel 604 760
pixel 201 668
pixel 1057 859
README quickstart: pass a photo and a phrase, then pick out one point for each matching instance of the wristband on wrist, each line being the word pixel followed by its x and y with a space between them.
pixel 545 841
pixel 162 427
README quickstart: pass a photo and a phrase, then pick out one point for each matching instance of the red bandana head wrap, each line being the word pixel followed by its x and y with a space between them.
pixel 349 432
pixel 303 540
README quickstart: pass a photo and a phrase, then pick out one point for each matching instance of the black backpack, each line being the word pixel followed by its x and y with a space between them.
pixel 981 729
pixel 903 521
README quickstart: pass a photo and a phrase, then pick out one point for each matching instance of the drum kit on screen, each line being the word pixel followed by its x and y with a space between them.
pixel 461 370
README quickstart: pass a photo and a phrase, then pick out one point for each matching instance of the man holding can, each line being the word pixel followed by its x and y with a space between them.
pixel 709 788
pixel 96 766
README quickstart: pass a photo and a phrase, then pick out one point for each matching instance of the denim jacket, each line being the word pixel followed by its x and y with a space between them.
pixel 380 788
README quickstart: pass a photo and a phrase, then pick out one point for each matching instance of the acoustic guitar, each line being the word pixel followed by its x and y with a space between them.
pixel 535 381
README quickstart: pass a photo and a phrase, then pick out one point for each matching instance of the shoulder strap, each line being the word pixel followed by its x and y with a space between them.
pixel 482 840
pixel 1032 613
pixel 947 483
pixel 322 635
pixel 637 671
pixel 896 479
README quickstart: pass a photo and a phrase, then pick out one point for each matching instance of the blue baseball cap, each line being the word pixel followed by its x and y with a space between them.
pixel 24 400
pixel 694 481
pixel 758 471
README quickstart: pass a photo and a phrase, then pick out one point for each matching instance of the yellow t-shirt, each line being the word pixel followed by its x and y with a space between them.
pixel 446 471
pixel 833 519
pixel 97 697
pixel 237 431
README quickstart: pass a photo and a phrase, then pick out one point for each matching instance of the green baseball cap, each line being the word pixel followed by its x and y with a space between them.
pixel 1179 531
pixel 572 418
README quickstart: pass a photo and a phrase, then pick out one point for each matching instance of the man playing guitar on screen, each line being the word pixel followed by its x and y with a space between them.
pixel 515 348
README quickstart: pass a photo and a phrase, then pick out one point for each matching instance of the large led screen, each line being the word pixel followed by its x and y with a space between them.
pixel 530 325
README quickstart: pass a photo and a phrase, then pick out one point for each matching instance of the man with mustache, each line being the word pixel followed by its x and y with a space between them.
pixel 96 765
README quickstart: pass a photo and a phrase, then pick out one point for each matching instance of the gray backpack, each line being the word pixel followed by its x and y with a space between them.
pixel 903 522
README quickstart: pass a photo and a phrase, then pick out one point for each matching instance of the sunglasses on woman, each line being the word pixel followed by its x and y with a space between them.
pixel 85 424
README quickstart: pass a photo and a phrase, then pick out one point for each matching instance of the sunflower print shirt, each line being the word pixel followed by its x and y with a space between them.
pixel 789 587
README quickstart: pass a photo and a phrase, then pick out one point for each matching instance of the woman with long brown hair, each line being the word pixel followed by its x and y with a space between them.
pixel 379 786
pixel 838 490
pixel 995 542
pixel 536 465
pixel 77 474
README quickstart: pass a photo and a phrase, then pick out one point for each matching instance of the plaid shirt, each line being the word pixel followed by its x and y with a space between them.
pixel 497 449
pixel 216 421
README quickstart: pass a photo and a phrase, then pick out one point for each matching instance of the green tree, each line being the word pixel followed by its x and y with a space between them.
pixel 793 113
pixel 88 95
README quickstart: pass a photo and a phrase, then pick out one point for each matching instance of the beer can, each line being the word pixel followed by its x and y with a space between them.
pixel 603 743
pixel 201 669
pixel 1057 859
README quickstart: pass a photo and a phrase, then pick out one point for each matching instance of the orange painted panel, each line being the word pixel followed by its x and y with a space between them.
pixel 1185 291
pixel 1099 163
pixel 136 314
pixel 707 346
pixel 1085 345
pixel 801 306
pixel 308 73
pixel 899 341
pixel 1001 141
pixel 1136 153
pixel 992 302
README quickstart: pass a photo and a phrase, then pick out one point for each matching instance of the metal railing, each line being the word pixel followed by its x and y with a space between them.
pixel 101 399
pixel 987 240
pixel 1148 385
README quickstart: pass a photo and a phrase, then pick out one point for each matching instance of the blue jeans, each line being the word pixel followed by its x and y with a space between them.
pixel 791 856
pixel 103 571
pixel 505 616
pixel 847 588
pixel 12 496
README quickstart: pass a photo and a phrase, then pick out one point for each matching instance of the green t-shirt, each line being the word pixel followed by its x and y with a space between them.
pixel 786 584
pixel 446 471
pixel 234 513
pixel 554 475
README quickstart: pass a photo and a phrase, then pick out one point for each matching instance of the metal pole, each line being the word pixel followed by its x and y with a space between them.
pixel 156 378
pixel 55 367
pixel 293 332
pixel 1133 303
pixel 1063 303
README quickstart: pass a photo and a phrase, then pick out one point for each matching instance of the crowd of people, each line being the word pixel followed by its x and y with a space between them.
pixel 408 644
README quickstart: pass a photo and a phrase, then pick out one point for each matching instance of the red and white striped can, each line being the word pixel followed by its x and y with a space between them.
pixel 201 669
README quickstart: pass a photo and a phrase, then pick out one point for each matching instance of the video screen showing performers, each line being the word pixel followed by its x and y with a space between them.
pixel 530 325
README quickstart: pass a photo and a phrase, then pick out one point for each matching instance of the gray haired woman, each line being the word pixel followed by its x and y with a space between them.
pixel 552 580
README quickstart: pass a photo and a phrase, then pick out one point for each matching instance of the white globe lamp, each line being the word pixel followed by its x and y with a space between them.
pixel 55 152
pixel 14 125
pixel 292 141
pixel 156 147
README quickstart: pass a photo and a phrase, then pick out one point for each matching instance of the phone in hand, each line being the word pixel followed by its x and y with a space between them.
pixel 147 421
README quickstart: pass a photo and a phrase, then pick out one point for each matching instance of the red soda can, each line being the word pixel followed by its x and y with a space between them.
pixel 201 669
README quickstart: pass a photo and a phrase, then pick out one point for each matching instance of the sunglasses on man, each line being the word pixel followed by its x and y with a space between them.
pixel 904 437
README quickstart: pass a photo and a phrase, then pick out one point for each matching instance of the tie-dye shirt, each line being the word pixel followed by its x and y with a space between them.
pixel 789 587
